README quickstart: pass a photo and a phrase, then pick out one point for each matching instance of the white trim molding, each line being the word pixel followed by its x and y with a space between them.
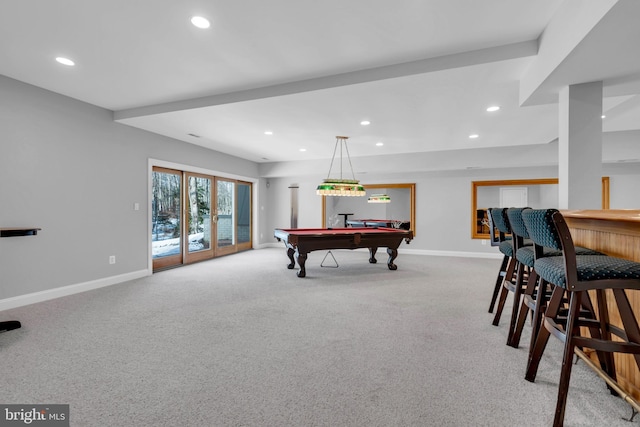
pixel 64 291
pixel 459 254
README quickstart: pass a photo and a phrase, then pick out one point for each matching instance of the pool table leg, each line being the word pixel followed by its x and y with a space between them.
pixel 393 254
pixel 302 259
pixel 290 252
pixel 372 255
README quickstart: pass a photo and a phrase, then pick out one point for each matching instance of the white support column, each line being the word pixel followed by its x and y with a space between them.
pixel 580 147
pixel 294 205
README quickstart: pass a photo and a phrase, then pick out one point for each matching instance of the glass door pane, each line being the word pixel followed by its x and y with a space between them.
pixel 198 214
pixel 244 215
pixel 166 248
pixel 197 217
pixel 225 227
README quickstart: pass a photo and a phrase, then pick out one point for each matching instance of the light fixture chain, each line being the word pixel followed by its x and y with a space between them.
pixel 353 175
pixel 335 148
pixel 341 159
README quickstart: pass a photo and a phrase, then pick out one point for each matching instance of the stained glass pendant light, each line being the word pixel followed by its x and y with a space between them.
pixel 379 198
pixel 340 186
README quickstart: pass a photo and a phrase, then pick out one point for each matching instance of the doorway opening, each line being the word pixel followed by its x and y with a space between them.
pixel 196 216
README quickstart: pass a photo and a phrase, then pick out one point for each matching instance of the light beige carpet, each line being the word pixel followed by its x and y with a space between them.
pixel 241 341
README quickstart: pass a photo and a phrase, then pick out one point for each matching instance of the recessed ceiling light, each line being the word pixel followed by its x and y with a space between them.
pixel 473 136
pixel 493 108
pixel 65 61
pixel 200 22
pixel 268 132
pixel 303 149
pixel 379 144
pixel 365 122
pixel 603 116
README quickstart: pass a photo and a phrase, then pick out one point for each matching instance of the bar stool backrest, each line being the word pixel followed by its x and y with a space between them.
pixel 516 223
pixel 541 228
pixel 500 220
pixel 495 237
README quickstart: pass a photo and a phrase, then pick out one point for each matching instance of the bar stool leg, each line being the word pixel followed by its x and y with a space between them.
pixel 508 276
pixel 572 329
pixel 496 289
pixel 543 334
pixel 517 297
pixel 542 296
pixel 532 282
pixel 607 363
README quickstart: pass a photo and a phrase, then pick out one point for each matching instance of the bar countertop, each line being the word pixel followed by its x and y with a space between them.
pixel 625 215
pixel 616 221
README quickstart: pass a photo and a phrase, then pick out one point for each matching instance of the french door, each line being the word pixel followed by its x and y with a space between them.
pixel 198 193
pixel 197 217
pixel 166 217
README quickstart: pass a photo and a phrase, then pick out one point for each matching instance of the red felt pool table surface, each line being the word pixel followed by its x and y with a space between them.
pixel 388 223
pixel 301 241
pixel 330 231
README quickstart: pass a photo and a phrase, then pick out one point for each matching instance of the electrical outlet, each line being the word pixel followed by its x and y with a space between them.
pixel 112 259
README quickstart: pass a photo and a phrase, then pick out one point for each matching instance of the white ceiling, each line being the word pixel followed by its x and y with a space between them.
pixel 422 71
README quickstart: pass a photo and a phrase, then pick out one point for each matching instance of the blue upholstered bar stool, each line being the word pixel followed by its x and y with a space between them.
pixel 500 235
pixel 525 275
pixel 508 248
pixel 527 278
pixel 572 276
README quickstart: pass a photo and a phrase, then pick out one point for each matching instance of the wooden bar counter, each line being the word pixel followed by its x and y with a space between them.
pixel 615 233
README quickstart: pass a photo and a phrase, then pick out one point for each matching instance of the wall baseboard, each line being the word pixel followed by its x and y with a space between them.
pixel 451 253
pixel 64 291
pixel 496 255
pixel 50 294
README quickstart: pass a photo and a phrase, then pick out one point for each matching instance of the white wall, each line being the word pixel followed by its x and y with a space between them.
pixel 68 168
pixel 279 213
pixel 624 192
pixel 538 196
pixel 624 177
pixel 443 203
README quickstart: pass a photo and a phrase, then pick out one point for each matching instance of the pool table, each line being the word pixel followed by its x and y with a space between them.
pixel 301 241
pixel 388 223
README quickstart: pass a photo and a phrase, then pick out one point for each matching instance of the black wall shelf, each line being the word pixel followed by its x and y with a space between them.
pixel 18 231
